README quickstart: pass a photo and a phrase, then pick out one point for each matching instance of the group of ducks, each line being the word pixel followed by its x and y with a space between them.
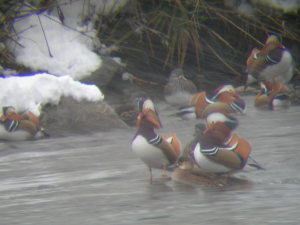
pixel 215 147
pixel 216 150
pixel 273 68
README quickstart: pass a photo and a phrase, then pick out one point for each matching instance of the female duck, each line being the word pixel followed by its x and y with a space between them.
pixel 179 90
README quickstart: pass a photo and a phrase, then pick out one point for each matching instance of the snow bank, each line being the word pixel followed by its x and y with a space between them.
pixel 32 92
pixel 68 52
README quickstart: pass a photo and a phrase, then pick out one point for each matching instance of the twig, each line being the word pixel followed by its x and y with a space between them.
pixel 223 61
pixel 213 33
pixel 68 26
pixel 44 36
pixel 240 29
pixel 145 81
pixel 131 78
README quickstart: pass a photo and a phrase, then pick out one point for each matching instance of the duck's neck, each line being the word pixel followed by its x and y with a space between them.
pixel 146 131
pixel 145 127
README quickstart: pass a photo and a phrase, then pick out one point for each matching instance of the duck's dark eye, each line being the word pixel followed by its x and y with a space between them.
pixel 256 55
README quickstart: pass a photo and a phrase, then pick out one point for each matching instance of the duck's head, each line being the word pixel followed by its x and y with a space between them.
pixel 253 65
pixel 252 57
pixel 7 110
pixel 236 103
pixel 219 127
pixel 265 87
pixel 227 88
pixel 236 106
pixel 147 114
pixel 227 119
pixel 185 163
pixel 275 40
pixel 261 99
pixel 176 74
pixel 272 43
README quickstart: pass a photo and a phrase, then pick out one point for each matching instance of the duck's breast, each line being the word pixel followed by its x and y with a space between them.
pixel 148 153
pixel 17 135
pixel 281 71
pixel 179 98
pixel 207 164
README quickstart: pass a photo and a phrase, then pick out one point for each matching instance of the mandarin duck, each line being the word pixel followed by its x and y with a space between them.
pixel 273 61
pixel 15 126
pixel 189 172
pixel 218 149
pixel 156 151
pixel 179 89
pixel 224 98
pixel 272 95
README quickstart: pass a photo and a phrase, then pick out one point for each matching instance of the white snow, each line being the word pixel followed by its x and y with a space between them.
pixel 31 93
pixel 68 57
pixel 69 51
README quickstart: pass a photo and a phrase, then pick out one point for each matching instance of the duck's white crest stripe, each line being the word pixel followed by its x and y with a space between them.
pixel 148 104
